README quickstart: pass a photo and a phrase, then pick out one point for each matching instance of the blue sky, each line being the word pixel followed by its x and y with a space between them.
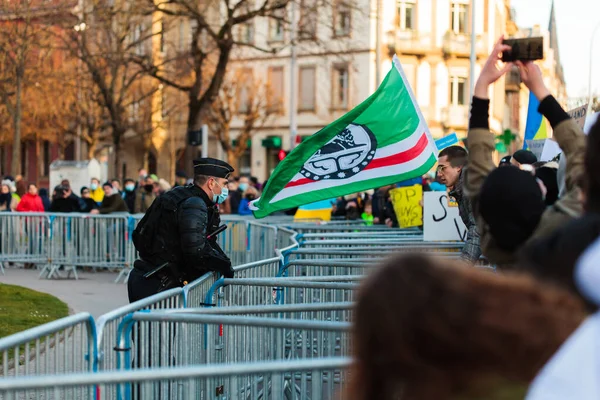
pixel 575 21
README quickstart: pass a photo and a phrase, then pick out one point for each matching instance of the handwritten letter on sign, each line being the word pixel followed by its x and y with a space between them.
pixel 407 205
pixel 441 220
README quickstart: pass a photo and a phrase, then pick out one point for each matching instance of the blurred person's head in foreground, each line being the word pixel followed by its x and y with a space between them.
pixel 426 328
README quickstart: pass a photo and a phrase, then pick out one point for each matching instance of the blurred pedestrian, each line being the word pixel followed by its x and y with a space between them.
pixel 31 201
pixel 96 191
pixel 88 203
pixel 21 186
pixel 180 178
pixel 144 196
pixel 62 201
pixel 129 195
pixel 249 195
pixel 113 202
pixel 163 186
pixel 45 199
pixel 7 203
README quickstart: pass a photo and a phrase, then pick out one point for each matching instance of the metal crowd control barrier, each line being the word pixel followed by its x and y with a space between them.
pixel 326 267
pixel 24 237
pixel 262 241
pixel 252 292
pixel 63 346
pixel 107 325
pixel 228 339
pixel 297 379
pixel 195 292
pixel 86 240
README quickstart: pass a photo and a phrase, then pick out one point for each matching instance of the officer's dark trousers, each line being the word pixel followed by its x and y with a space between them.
pixel 139 288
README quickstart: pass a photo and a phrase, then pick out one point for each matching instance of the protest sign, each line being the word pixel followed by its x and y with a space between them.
pixel 407 205
pixel 446 141
pixel 441 221
pixel 579 114
pixel 544 149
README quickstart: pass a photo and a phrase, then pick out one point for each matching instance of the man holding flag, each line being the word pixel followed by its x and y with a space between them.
pixel 384 140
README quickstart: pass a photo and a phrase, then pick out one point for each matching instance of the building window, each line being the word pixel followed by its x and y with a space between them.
pixel 340 88
pixel 460 16
pixel 137 42
pixel 275 95
pixel 342 18
pixel 193 29
pixel 181 34
pixel 458 90
pixel 246 33
pixel 406 14
pixel 244 95
pixel 307 89
pixel 46 159
pixel 307 25
pixel 276 26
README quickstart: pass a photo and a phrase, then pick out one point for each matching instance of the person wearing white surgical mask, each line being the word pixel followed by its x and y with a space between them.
pixel 177 239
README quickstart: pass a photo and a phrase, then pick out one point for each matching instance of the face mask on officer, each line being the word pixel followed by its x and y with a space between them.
pixel 220 197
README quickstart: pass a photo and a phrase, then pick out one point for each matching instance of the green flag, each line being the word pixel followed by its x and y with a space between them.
pixel 382 141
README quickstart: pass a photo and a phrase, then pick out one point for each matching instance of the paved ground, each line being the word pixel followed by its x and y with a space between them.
pixel 95 293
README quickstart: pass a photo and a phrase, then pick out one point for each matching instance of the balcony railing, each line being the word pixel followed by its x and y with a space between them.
pixel 455 116
pixel 459 44
pixel 409 42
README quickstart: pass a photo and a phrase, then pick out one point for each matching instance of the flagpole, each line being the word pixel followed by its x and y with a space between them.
pixel 473 58
pixel 293 83
pixel 590 101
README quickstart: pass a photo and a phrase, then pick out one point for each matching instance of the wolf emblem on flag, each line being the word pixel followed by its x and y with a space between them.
pixel 348 153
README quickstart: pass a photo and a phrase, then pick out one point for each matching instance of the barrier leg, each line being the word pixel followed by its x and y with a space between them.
pixel 2 267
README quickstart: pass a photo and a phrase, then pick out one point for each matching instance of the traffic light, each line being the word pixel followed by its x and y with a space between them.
pixel 281 155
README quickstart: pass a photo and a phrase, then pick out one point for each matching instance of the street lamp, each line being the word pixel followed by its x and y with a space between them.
pixel 589 110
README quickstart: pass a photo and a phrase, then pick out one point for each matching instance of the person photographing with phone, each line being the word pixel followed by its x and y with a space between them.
pixel 177 238
pixel 508 202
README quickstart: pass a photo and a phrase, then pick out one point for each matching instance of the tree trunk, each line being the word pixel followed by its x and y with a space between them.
pixel 233 160
pixel 39 160
pixel 15 167
pixel 91 153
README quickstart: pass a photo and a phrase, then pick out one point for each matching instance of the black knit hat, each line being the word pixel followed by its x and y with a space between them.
pixel 511 204
pixel 525 157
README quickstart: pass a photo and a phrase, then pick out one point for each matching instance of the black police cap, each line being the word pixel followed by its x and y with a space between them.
pixel 212 167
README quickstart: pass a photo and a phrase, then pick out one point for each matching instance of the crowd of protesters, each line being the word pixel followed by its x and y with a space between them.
pixel 134 196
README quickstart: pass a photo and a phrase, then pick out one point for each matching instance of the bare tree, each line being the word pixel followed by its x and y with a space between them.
pixel 108 35
pixel 23 48
pixel 247 101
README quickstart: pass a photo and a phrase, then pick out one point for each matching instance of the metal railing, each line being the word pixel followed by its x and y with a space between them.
pixel 323 378
pixel 63 346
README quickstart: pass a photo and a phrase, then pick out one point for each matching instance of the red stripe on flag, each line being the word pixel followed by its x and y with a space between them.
pixel 394 159
pixel 400 158
pixel 299 182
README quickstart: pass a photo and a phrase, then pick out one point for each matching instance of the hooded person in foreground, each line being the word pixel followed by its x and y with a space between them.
pixel 508 201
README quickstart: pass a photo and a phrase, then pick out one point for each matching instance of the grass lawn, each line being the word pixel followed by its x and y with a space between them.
pixel 22 308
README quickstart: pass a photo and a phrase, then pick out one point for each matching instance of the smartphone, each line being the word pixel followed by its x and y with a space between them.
pixel 526 49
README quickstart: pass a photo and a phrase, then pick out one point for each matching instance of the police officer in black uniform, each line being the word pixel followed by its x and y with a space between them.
pixel 174 238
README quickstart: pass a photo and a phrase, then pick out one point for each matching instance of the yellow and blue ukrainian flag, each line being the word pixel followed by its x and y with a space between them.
pixel 320 210
pixel 535 127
